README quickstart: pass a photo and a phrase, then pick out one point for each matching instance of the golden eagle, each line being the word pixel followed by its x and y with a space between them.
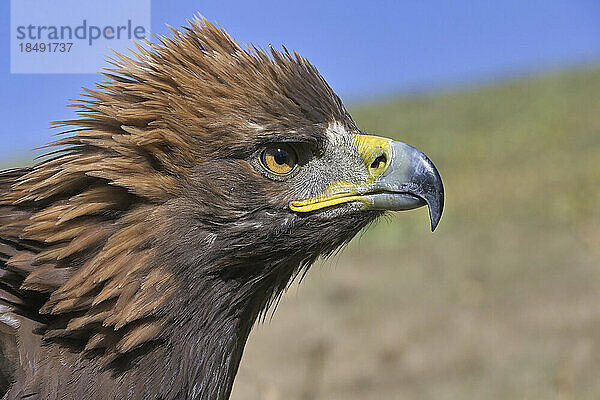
pixel 199 179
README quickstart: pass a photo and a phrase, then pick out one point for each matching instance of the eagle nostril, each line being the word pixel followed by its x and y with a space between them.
pixel 379 162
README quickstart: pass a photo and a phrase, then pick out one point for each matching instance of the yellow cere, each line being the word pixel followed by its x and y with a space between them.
pixel 375 152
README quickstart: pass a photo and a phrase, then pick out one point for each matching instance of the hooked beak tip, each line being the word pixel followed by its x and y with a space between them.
pixel 435 217
pixel 435 203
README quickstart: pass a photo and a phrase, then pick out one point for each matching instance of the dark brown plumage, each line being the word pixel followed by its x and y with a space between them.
pixel 135 259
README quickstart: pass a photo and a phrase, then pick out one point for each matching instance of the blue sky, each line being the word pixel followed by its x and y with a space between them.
pixel 365 50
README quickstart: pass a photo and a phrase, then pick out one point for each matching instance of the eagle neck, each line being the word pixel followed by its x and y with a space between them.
pixel 210 342
pixel 221 291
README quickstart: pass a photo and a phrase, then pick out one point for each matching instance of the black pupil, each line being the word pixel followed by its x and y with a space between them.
pixel 280 156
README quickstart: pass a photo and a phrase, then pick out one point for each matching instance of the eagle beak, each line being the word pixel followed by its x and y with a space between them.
pixel 409 181
pixel 400 178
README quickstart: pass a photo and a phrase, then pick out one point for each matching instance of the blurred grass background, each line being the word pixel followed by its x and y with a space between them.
pixel 501 302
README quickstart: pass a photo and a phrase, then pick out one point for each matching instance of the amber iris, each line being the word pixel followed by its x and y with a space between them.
pixel 280 159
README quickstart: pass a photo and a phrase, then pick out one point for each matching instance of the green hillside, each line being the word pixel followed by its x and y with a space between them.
pixel 501 302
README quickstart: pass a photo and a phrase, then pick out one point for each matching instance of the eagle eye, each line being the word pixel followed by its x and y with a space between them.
pixel 279 159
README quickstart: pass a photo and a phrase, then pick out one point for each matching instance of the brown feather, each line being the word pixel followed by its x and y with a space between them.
pixel 138 335
pixel 46 278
